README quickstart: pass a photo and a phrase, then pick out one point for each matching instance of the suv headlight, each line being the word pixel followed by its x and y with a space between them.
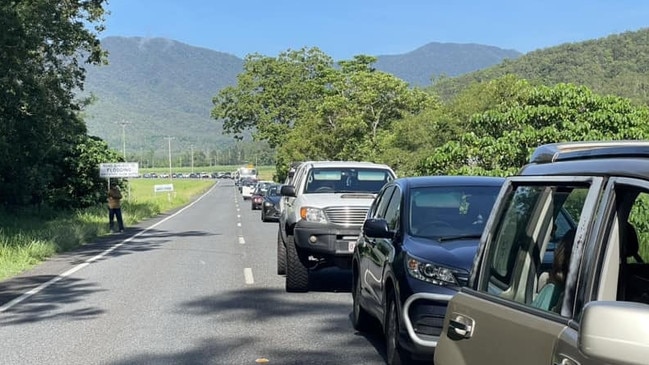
pixel 430 272
pixel 313 215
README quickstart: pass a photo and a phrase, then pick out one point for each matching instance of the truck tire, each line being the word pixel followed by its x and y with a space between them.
pixel 297 275
pixel 281 255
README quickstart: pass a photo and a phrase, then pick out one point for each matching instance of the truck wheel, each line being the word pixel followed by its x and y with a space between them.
pixel 297 275
pixel 281 255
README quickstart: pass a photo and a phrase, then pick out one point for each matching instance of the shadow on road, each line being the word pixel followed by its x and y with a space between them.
pixel 67 290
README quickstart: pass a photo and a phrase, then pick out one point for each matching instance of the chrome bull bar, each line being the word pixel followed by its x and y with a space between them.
pixel 406 319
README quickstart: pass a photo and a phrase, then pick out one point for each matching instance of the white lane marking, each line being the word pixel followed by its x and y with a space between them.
pixel 241 240
pixel 247 274
pixel 40 288
pixel 238 216
pixel 238 224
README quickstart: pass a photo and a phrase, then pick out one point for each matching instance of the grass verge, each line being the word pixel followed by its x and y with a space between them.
pixel 29 237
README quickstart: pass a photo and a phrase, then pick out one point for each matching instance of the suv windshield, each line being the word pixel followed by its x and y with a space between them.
pixel 450 212
pixel 346 180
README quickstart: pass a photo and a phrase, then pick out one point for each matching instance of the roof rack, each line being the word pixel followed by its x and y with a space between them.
pixel 563 151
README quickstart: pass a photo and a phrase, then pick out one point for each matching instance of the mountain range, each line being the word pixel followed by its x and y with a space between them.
pixel 154 90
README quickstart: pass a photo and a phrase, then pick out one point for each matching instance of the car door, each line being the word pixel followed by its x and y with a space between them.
pixel 366 246
pixel 382 249
pixel 607 264
pixel 497 319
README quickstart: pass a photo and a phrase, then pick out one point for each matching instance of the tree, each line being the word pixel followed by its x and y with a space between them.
pixel 500 141
pixel 43 44
pixel 272 93
pixel 308 109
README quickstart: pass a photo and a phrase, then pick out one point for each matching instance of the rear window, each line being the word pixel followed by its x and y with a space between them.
pixel 347 180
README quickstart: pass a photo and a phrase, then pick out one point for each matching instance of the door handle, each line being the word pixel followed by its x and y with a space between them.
pixel 460 327
pixel 565 361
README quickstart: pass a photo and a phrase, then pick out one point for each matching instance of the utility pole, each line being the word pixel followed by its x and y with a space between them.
pixel 192 148
pixel 124 123
pixel 169 142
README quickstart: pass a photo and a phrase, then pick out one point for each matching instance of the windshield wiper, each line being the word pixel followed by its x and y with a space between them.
pixel 460 237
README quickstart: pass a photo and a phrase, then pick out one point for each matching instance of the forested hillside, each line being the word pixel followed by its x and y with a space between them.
pixel 615 65
pixel 161 88
pixel 165 88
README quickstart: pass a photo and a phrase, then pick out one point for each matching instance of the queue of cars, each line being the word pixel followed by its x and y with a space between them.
pixel 547 267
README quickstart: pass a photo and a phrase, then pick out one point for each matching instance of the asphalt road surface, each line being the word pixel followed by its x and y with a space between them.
pixel 195 286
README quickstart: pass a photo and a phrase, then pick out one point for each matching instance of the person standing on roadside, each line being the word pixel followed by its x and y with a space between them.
pixel 115 207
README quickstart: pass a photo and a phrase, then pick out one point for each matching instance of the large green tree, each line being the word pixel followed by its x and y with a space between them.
pixel 272 93
pixel 44 45
pixel 500 140
pixel 311 110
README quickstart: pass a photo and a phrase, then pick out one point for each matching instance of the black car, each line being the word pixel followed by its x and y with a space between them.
pixel 270 204
pixel 414 252
pixel 257 196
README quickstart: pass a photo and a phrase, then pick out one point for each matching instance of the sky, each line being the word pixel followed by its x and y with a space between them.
pixel 344 28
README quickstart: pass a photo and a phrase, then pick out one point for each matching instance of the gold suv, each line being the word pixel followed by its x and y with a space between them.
pixel 548 287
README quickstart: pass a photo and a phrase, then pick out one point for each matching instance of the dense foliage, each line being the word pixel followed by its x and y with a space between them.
pixel 44 149
pixel 310 109
pixel 614 65
pixel 500 140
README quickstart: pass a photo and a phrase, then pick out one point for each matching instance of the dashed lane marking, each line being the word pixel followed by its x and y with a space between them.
pixel 247 274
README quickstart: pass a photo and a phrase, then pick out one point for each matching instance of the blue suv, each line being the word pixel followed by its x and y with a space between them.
pixel 414 252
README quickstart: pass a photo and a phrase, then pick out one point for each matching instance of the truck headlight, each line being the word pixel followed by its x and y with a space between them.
pixel 430 272
pixel 313 215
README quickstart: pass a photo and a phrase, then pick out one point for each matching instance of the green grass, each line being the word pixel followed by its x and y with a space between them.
pixel 28 238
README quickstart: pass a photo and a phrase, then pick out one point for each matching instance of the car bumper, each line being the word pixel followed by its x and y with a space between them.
pixel 328 239
pixel 271 213
pixel 423 319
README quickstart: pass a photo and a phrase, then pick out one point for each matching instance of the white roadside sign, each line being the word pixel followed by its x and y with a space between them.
pixel 119 169
pixel 163 187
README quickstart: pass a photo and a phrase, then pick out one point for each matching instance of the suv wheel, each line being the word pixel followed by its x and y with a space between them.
pixel 297 275
pixel 361 320
pixel 394 353
pixel 281 255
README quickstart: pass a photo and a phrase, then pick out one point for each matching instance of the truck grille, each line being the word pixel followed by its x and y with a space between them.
pixel 347 216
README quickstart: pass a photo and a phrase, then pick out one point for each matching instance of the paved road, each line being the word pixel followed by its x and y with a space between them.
pixel 197 286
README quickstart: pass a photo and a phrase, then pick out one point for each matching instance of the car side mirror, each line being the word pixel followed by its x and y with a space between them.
pixel 377 228
pixel 287 190
pixel 611 331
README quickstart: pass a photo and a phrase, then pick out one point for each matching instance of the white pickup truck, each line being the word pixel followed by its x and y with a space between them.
pixel 322 215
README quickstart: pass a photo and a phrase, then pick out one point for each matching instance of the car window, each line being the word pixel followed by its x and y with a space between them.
pixel 346 180
pixel 519 266
pixel 381 203
pixel 438 212
pixel 625 275
pixel 273 190
pixel 392 212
